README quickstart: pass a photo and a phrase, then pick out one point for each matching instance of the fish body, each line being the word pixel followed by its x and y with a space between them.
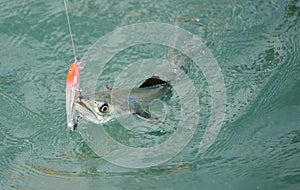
pixel 104 106
pixel 72 91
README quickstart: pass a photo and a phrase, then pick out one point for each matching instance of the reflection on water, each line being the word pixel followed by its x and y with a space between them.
pixel 255 43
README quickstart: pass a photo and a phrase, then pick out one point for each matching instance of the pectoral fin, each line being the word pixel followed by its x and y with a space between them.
pixel 143 114
pixel 138 108
pixel 146 116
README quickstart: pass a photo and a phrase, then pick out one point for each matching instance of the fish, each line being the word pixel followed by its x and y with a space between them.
pixel 107 105
pixel 72 91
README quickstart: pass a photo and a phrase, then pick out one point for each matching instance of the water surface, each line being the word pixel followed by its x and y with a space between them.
pixel 256 44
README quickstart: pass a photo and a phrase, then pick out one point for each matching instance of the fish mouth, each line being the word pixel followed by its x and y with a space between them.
pixel 86 111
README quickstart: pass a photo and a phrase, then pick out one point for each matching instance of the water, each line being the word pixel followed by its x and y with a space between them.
pixel 256 45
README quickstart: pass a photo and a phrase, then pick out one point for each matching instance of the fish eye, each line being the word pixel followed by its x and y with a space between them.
pixel 104 108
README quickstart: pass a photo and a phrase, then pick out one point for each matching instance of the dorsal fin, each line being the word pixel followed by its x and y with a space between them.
pixel 153 81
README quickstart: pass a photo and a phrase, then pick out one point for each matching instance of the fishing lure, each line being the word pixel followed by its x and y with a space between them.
pixel 73 91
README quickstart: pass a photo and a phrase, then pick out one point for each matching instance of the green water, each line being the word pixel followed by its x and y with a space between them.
pixel 256 44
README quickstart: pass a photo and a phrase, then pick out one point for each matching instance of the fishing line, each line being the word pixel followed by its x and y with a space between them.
pixel 70 30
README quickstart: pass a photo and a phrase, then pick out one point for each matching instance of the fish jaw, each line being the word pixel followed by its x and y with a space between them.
pixel 72 91
pixel 86 111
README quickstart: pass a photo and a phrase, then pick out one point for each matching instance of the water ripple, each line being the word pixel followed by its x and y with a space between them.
pixel 17 124
pixel 255 43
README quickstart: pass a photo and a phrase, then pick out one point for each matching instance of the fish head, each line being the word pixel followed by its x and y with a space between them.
pixel 96 111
